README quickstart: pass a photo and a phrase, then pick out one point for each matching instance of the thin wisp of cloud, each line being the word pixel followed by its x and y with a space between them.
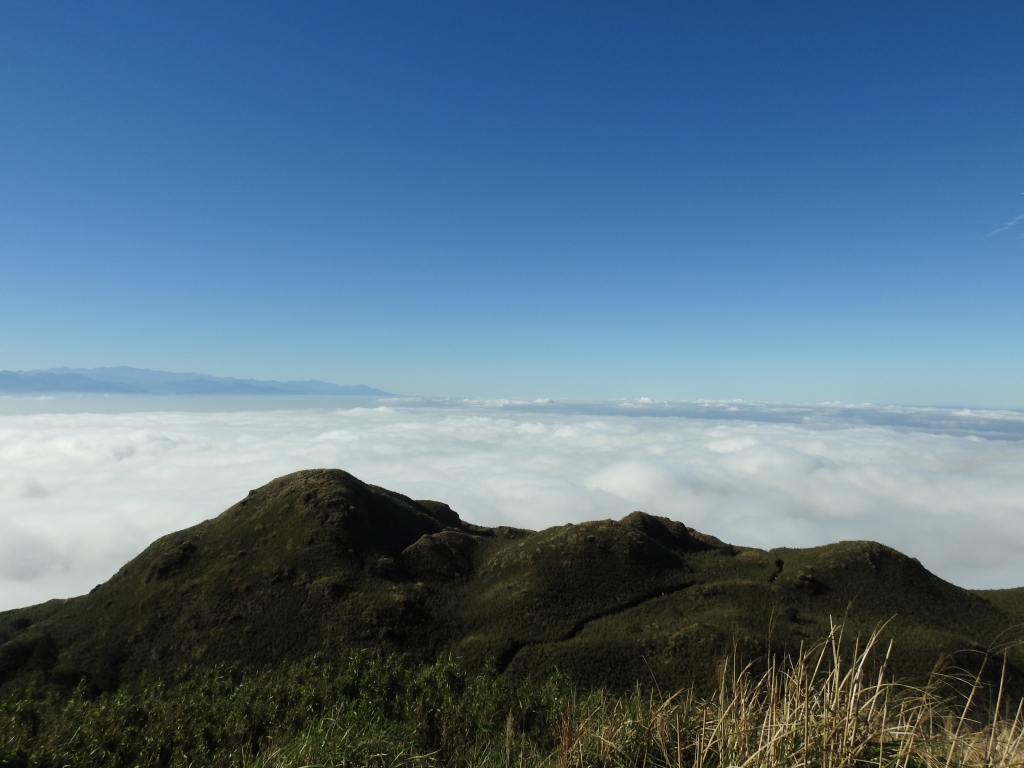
pixel 1008 225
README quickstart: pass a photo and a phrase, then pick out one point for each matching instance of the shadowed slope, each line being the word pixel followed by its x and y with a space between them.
pixel 318 561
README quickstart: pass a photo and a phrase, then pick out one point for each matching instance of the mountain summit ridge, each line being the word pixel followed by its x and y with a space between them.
pixel 318 561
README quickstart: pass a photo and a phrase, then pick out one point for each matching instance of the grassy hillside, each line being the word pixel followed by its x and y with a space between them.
pixel 1009 600
pixel 319 562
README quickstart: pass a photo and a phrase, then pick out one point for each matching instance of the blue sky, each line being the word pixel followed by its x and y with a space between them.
pixel 770 201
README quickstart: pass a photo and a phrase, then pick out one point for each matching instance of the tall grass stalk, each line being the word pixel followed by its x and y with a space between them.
pixel 824 708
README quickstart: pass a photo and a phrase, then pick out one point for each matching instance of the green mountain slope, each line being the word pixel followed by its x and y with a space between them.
pixel 318 561
pixel 1010 600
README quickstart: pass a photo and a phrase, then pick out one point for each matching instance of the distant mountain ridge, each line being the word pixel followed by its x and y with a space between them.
pixel 125 380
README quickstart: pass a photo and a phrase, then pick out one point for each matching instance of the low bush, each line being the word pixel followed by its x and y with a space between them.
pixel 830 706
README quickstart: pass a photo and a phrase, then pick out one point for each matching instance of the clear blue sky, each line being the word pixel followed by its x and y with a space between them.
pixel 761 200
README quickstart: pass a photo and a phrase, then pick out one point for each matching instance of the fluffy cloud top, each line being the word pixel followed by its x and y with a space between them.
pixel 80 493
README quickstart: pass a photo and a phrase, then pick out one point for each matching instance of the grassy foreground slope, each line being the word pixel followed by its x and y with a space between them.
pixel 826 707
pixel 319 562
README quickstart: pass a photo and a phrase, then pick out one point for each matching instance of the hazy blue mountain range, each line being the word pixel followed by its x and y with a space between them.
pixel 124 380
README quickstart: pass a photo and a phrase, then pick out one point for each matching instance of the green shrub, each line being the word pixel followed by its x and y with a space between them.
pixel 829 706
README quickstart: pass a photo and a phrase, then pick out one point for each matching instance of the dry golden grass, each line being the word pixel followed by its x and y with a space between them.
pixel 826 708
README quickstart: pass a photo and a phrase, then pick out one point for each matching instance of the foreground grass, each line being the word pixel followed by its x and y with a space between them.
pixel 831 706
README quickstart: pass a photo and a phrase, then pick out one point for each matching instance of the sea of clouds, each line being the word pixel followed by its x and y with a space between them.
pixel 87 483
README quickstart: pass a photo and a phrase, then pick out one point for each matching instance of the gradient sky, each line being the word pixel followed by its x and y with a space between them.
pixel 761 200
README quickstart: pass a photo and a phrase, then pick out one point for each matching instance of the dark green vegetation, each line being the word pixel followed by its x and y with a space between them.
pixel 1010 600
pixel 371 710
pixel 310 616
pixel 319 562
pixel 827 707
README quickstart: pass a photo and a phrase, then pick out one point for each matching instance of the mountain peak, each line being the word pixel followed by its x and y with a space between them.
pixel 318 560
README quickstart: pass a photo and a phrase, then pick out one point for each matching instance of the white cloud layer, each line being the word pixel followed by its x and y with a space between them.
pixel 82 492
